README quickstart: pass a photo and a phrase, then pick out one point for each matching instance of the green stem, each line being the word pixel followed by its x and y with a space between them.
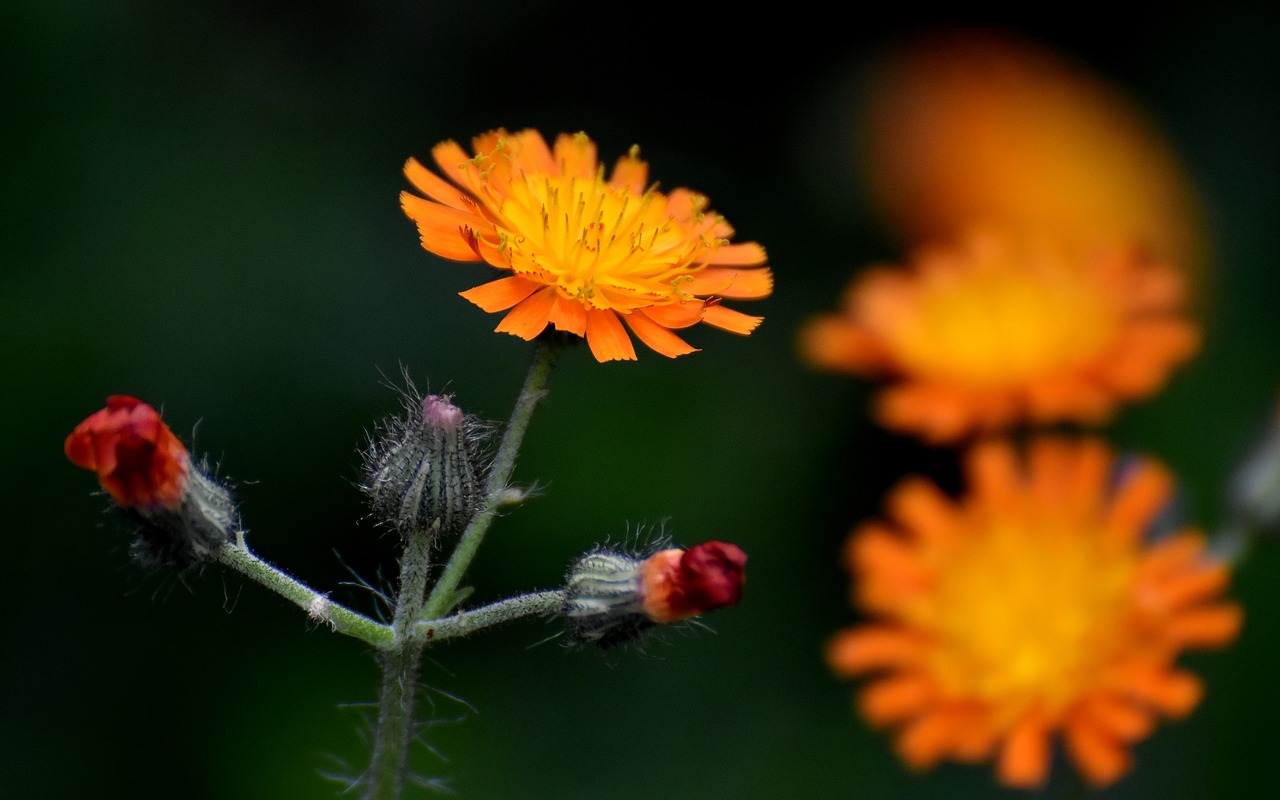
pixel 400 662
pixel 318 606
pixel 465 623
pixel 534 389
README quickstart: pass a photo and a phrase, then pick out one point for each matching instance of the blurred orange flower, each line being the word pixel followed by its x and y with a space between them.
pixel 995 331
pixel 584 253
pixel 972 126
pixel 1037 606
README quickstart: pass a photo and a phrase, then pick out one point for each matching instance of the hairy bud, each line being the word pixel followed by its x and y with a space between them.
pixel 612 597
pixel 423 472
pixel 181 516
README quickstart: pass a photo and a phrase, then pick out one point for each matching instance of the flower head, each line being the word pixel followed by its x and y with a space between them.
pixel 1036 606
pixel 964 126
pixel 138 460
pixel 994 331
pixel 584 252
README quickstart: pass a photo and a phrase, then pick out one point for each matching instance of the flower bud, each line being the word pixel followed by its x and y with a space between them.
pixel 181 516
pixel 1254 491
pixel 423 474
pixel 612 597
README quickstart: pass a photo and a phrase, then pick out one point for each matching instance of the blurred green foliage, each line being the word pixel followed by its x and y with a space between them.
pixel 203 213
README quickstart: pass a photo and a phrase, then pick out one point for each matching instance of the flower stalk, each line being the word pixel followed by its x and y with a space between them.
pixel 545 354
pixel 318 606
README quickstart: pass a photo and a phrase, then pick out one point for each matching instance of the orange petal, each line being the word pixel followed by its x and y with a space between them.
pixel 676 315
pixel 433 186
pixel 1172 692
pixel 530 316
pixel 994 476
pixel 501 294
pixel 924 511
pixel 925 741
pixel 834 343
pixel 441 227
pixel 723 282
pixel 1179 590
pixel 532 154
pixel 454 163
pixel 575 155
pixel 1214 626
pixel 866 648
pixel 607 338
pixel 569 315
pixel 1144 492
pixel 730 320
pixel 1100 758
pixel 742 254
pixel 630 173
pixel 1024 759
pixel 893 699
pixel 1119 717
pixel 1089 476
pixel 939 415
pixel 658 338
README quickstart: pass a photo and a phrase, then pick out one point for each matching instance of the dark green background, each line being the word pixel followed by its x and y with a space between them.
pixel 201 210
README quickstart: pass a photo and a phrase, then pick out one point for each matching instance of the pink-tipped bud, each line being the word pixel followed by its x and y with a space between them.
pixel 423 472
pixel 613 597
pixel 181 516
pixel 678 584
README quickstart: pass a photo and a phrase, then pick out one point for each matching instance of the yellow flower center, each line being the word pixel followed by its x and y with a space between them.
pixel 1026 617
pixel 606 247
pixel 996 324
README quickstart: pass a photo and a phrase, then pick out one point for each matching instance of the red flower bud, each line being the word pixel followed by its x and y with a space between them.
pixel 180 515
pixel 137 458
pixel 677 584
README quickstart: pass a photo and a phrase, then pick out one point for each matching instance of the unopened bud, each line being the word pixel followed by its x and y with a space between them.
pixel 423 473
pixel 181 516
pixel 612 597
pixel 1254 491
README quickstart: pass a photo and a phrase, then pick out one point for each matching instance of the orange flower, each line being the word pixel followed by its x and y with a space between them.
pixel 1037 606
pixel 583 252
pixel 968 126
pixel 137 458
pixel 991 332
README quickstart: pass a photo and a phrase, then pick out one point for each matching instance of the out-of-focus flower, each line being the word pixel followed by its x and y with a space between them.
pixel 181 516
pixel 996 331
pixel 611 597
pixel 972 126
pixel 1034 607
pixel 137 459
pixel 584 253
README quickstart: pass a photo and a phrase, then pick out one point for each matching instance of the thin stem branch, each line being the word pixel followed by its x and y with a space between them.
pixel 534 389
pixel 317 605
pixel 465 623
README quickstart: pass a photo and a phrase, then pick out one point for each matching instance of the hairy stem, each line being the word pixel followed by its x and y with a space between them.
pixel 400 662
pixel 534 389
pixel 317 605
pixel 465 623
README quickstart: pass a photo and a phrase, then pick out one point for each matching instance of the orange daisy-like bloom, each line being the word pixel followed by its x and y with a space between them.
pixel 970 125
pixel 1036 607
pixel 991 332
pixel 584 252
